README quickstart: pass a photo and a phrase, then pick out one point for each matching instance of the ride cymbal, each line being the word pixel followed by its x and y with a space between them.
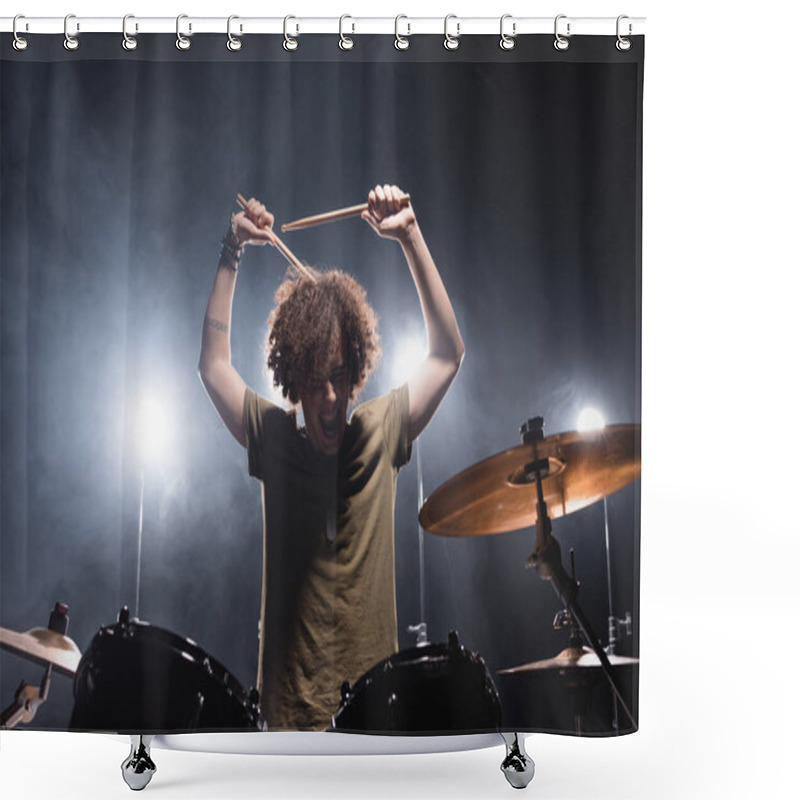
pixel 498 494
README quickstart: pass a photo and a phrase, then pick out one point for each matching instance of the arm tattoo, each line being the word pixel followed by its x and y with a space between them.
pixel 216 324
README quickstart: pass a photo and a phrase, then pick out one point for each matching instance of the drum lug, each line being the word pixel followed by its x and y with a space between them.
pixel 138 768
pixel 517 766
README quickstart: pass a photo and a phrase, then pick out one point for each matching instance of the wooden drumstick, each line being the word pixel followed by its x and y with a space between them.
pixel 288 254
pixel 333 216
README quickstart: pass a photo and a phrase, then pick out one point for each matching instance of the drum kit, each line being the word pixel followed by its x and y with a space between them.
pixel 418 690
pixel 133 678
pixel 137 678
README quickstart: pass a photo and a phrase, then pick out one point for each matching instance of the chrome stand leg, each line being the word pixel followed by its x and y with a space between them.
pixel 138 768
pixel 518 766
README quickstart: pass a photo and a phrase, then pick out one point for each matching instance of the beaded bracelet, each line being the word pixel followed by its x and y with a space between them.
pixel 231 251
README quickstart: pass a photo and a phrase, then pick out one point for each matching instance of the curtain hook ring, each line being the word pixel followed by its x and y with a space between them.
pixel 623 44
pixel 20 43
pixel 451 42
pixel 401 42
pixel 70 42
pixel 233 44
pixel 129 42
pixel 345 42
pixel 288 42
pixel 561 42
pixel 507 42
pixel 182 43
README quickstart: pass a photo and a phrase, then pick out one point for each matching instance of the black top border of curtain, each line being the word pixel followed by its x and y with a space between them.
pixel 323 48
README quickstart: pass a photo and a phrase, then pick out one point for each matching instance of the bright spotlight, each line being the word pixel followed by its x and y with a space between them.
pixel 590 419
pixel 410 353
pixel 153 429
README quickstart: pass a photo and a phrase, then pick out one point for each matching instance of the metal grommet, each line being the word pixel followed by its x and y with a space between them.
pixel 233 44
pixel 561 42
pixel 623 44
pixel 507 42
pixel 345 42
pixel 70 42
pixel 451 42
pixel 401 42
pixel 288 42
pixel 128 42
pixel 182 43
pixel 19 43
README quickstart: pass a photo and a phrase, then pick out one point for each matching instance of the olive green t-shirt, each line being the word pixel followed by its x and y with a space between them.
pixel 328 608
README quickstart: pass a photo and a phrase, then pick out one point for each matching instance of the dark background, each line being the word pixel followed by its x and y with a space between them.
pixel 118 178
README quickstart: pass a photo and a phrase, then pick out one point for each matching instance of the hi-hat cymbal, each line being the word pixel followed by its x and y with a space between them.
pixel 497 494
pixel 570 658
pixel 43 646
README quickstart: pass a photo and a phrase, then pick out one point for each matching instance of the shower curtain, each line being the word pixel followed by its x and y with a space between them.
pixel 128 507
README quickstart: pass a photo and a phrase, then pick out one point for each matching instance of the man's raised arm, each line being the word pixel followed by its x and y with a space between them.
pixel 223 383
pixel 429 384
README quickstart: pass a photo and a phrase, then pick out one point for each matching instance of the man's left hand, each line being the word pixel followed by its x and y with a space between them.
pixel 388 214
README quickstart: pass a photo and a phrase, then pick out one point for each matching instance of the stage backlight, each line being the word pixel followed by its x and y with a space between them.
pixel 153 429
pixel 410 353
pixel 590 419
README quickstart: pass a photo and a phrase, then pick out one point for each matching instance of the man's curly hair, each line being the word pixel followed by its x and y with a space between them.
pixel 309 314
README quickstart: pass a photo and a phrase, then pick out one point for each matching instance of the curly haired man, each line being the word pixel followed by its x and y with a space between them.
pixel 328 609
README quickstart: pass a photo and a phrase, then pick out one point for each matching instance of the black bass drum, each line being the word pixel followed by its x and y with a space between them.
pixel 137 678
pixel 428 689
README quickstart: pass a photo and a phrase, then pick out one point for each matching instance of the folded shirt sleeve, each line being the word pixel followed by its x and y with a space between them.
pixel 260 418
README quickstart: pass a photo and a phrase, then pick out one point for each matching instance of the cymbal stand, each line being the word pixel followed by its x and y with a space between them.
pixel 28 698
pixel 562 620
pixel 546 559
pixel 139 543
pixel 421 628
pixel 616 627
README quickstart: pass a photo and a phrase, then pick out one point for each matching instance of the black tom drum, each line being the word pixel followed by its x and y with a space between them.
pixel 137 678
pixel 427 689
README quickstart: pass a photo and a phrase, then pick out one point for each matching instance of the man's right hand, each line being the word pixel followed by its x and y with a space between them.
pixel 253 225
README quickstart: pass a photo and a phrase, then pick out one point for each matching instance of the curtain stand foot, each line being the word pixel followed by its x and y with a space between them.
pixel 517 766
pixel 138 768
